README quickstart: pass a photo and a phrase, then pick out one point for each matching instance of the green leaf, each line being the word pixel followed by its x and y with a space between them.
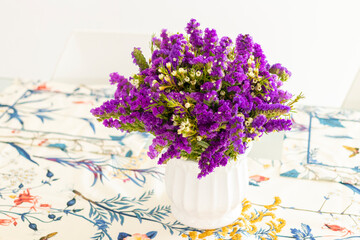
pixel 140 59
pixel 203 144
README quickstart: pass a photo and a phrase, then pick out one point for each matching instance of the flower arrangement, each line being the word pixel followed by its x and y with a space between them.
pixel 203 98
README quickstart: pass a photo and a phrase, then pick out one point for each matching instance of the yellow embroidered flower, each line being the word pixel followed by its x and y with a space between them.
pixel 193 235
pixel 247 223
pixel 274 205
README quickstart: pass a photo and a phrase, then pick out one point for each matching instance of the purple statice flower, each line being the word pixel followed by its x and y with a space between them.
pixel 198 60
pixel 201 96
pixel 177 41
pixel 211 96
pixel 278 125
pixel 165 42
pixel 258 54
pixel 259 121
pixel 207 86
pixel 210 40
pixel 115 78
pixel 195 33
pixel 236 89
pixel 221 52
pixel 244 45
pixel 218 85
pixel 280 71
pixel 156 41
pixel 158 110
pixel 243 102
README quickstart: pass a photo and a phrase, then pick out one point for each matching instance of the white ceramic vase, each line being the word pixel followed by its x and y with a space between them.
pixel 211 202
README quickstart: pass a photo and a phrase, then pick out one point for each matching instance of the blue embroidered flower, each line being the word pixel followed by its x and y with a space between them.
pixel 33 226
pixel 71 202
pixel 303 233
pixel 49 174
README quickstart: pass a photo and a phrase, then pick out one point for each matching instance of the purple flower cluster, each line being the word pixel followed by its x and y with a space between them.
pixel 203 99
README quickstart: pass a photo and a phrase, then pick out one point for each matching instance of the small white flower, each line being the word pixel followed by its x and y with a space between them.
pixel 193 82
pixel 167 78
pixel 151 101
pixel 250 61
pixel 168 65
pixel 252 130
pixel 199 138
pixel 180 83
pixel 250 119
pixel 187 105
pixel 182 92
pixel 219 112
pixel 257 138
pixel 256 71
pixel 255 80
pixel 268 98
pixel 181 70
pixel 252 87
pixel 174 59
pixel 258 87
pixel 252 57
pixel 167 90
pixel 248 140
pixel 173 73
pixel 253 95
pixel 222 92
pixel 198 73
pixel 209 71
pixel 182 127
pixel 251 74
pixel 161 76
pixel 187 79
pixel 250 70
pixel 247 123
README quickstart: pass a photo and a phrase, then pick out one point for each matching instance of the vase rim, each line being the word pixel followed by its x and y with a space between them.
pixel 231 163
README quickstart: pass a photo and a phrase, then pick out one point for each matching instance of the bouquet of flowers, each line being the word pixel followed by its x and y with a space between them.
pixel 203 98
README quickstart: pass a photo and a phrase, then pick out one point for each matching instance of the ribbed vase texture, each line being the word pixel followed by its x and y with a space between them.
pixel 211 202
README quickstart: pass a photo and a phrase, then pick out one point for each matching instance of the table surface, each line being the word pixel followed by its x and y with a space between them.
pixel 65 176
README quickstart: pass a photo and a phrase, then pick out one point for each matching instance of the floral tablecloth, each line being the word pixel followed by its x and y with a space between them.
pixel 64 176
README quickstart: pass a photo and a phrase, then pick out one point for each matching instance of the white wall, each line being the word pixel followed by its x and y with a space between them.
pixel 319 41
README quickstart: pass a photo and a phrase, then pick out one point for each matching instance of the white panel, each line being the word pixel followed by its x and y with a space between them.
pixel 352 99
pixel 89 57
